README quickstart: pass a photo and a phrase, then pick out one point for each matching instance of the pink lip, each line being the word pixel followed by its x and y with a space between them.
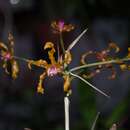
pixel 7 56
pixel 61 25
pixel 52 71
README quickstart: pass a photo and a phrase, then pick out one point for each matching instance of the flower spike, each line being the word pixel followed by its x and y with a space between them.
pixel 104 60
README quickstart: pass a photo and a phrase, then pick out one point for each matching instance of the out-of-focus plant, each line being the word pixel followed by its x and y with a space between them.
pixel 103 60
pixel 119 114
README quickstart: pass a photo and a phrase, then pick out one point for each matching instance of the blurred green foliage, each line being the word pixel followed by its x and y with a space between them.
pixel 87 106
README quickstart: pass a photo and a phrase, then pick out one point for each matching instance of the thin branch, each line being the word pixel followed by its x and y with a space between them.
pixel 99 63
pixel 21 58
pixel 25 60
pixel 76 40
pixel 85 81
pixel 62 43
pixel 66 103
pixel 95 121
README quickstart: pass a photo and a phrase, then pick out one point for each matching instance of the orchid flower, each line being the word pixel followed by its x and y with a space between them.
pixel 53 68
pixel 7 57
pixel 103 56
pixel 60 26
pixel 59 66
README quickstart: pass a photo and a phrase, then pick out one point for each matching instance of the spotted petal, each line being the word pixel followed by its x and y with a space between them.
pixel 15 69
pixel 113 45
pixel 68 57
pixel 67 82
pixel 50 45
pixel 3 46
pixel 39 63
pixel 40 88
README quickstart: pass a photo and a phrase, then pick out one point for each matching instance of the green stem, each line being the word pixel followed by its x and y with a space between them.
pixel 95 121
pixel 25 60
pixel 99 63
pixel 22 59
pixel 62 43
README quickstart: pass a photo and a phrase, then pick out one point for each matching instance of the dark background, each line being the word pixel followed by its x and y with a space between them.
pixel 29 21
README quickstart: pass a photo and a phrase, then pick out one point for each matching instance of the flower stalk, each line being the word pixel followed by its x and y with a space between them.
pixel 99 63
pixel 62 43
pixel 66 107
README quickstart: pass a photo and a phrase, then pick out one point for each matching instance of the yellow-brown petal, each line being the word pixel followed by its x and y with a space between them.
pixel 123 66
pixel 11 43
pixel 85 55
pixel 3 46
pixel 15 69
pixel 54 25
pixel 89 75
pixel 40 88
pixel 50 45
pixel 68 28
pixel 113 45
pixel 68 57
pixel 128 67
pixel 113 75
pixel 5 67
pixel 39 63
pixel 128 52
pixel 64 28
pixel 11 39
pixel 67 81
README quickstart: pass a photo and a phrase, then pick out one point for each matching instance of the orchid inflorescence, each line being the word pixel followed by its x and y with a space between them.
pixel 104 60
